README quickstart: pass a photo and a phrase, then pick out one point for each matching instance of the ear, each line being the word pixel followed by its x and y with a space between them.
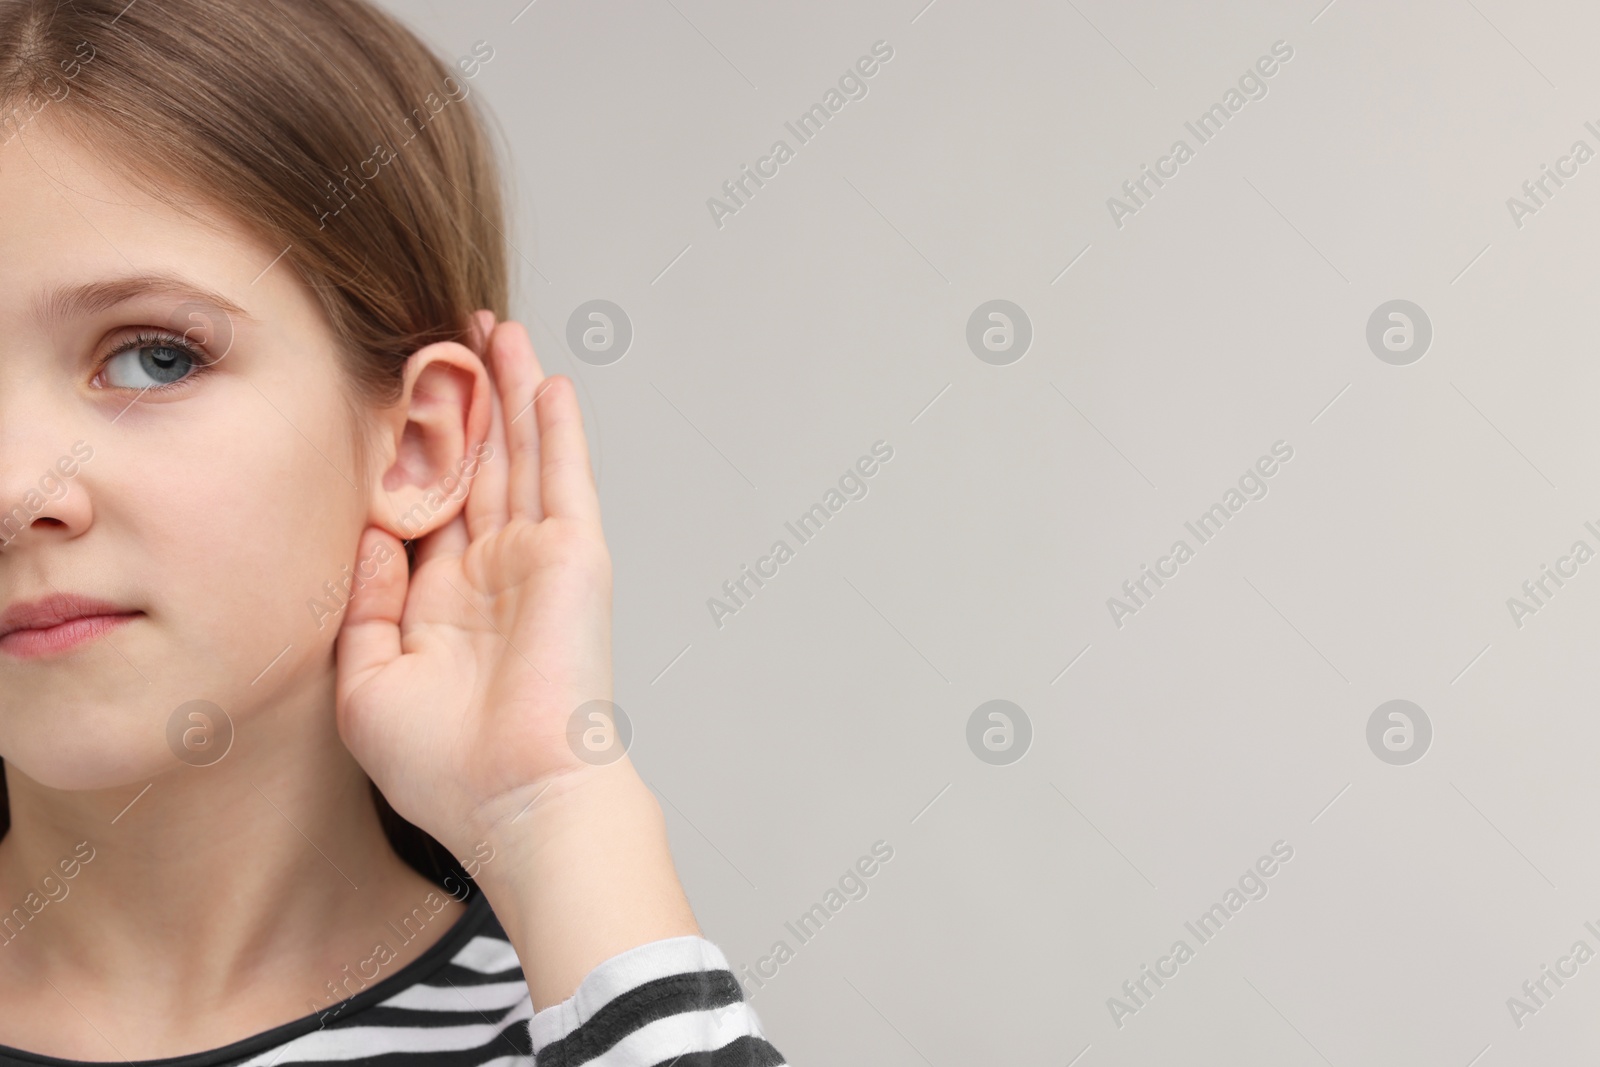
pixel 430 441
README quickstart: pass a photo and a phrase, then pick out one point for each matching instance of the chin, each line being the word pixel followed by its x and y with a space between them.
pixel 88 755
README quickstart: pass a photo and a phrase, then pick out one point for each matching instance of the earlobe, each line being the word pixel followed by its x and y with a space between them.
pixel 436 430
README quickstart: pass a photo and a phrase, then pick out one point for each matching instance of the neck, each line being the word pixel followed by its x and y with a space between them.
pixel 203 880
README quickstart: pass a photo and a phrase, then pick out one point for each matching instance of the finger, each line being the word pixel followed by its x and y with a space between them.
pixel 568 480
pixel 518 370
pixel 486 510
pixel 479 330
pixel 451 539
pixel 369 637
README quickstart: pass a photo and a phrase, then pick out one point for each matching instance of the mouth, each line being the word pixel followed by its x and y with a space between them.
pixel 57 624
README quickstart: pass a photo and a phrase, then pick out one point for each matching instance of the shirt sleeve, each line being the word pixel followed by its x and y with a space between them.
pixel 672 1001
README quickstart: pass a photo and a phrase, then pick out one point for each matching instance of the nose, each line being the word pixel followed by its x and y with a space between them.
pixel 41 494
pixel 46 438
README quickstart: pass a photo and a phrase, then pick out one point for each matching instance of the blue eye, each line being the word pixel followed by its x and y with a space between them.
pixel 151 362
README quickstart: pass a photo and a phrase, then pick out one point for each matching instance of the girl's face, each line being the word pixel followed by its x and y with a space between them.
pixel 214 502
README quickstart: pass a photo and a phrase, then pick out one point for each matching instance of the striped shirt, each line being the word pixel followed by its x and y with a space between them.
pixel 464 1003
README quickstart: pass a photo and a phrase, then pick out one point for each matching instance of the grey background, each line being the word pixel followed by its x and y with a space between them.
pixel 1228 314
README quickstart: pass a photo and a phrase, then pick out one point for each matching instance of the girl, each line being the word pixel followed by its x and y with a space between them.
pixel 304 601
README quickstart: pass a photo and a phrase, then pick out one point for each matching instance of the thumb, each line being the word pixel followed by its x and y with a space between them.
pixel 369 640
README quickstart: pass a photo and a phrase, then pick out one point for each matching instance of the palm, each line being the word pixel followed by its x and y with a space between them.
pixel 455 688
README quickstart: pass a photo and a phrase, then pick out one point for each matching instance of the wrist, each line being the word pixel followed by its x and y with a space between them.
pixel 582 871
pixel 530 817
pixel 525 822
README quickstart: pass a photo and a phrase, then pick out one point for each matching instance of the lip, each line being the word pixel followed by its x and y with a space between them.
pixel 58 623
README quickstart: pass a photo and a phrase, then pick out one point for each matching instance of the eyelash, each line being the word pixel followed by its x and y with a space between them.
pixel 159 338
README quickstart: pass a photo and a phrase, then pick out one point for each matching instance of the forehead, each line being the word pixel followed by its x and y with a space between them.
pixel 75 226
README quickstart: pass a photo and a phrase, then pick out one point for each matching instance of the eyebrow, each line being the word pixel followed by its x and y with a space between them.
pixel 91 298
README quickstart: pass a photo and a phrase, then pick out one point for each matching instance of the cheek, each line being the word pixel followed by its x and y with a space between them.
pixel 266 521
pixel 226 534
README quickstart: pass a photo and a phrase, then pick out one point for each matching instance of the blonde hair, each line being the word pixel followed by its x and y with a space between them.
pixel 323 126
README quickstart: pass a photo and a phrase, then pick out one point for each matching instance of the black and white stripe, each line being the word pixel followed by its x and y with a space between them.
pixel 464 1003
pixel 669 1002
